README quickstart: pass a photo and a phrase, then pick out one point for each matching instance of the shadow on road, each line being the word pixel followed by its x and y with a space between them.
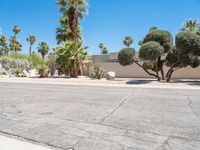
pixel 139 81
pixel 189 82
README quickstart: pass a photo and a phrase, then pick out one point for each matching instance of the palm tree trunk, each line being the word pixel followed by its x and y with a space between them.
pixel 30 51
pixel 16 54
pixel 73 23
pixel 14 46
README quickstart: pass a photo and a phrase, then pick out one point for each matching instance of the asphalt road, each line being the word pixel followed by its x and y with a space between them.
pixel 101 118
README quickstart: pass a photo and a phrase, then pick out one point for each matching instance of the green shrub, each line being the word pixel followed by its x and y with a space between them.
pixel 188 43
pixel 36 60
pixel 151 51
pixel 17 72
pixel 43 71
pixel 126 56
pixel 161 36
pixel 97 73
pixel 52 65
pixel 19 56
pixel 2 73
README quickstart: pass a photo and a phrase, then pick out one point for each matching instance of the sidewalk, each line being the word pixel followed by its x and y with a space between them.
pixel 119 82
pixel 7 143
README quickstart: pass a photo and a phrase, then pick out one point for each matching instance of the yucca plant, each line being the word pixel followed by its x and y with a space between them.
pixel 43 71
pixel 98 73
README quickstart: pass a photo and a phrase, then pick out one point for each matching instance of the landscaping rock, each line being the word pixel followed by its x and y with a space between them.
pixel 111 75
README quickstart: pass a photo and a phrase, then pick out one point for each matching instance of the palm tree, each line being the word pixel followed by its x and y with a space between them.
pixel 4 45
pixel 73 10
pixel 31 39
pixel 128 41
pixel 192 26
pixel 15 45
pixel 71 56
pixel 16 30
pixel 43 49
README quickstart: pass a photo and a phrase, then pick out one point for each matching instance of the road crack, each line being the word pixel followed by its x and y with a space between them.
pixel 192 108
pixel 123 101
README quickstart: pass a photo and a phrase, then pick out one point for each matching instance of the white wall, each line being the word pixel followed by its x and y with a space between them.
pixel 133 71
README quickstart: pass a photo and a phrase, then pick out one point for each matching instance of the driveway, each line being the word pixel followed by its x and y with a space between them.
pixel 101 117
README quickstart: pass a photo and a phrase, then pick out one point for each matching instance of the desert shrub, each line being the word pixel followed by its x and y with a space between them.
pixel 126 56
pixel 2 73
pixel 52 65
pixel 10 63
pixel 36 60
pixel 19 56
pixel 97 73
pixel 6 62
pixel 17 72
pixel 43 71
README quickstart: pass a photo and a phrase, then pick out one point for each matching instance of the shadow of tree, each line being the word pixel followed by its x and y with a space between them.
pixel 139 81
pixel 189 82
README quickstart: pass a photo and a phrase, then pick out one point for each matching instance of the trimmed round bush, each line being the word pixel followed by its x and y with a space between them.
pixel 172 58
pixel 126 56
pixel 195 62
pixel 188 43
pixel 148 65
pixel 161 36
pixel 151 51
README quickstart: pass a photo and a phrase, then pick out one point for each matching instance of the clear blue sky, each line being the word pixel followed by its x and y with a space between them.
pixel 108 21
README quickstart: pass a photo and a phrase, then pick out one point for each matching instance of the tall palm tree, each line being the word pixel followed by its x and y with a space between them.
pixel 4 45
pixel 31 39
pixel 128 41
pixel 15 44
pixel 16 30
pixel 73 10
pixel 192 26
pixel 43 49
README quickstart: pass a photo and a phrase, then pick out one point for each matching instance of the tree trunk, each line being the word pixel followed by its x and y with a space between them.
pixel 16 54
pixel 169 73
pixel 157 72
pixel 149 73
pixel 73 23
pixel 30 51
pixel 163 74
pixel 14 46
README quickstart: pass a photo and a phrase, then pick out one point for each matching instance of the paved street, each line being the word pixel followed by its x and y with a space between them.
pixel 101 118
